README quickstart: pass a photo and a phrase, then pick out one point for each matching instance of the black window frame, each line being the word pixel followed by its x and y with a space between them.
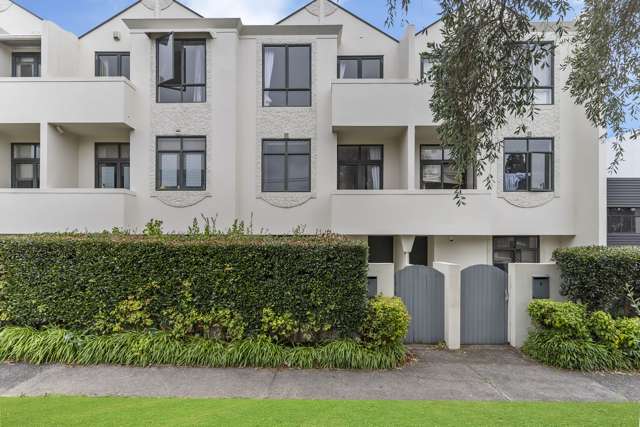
pixel 634 212
pixel 119 162
pixel 551 66
pixel 423 57
pixel 286 68
pixel 14 64
pixel 121 54
pixel 286 163
pixel 30 161
pixel 182 86
pixel 361 164
pixel 360 58
pixel 528 160
pixel 514 249
pixel 442 164
pixel 181 158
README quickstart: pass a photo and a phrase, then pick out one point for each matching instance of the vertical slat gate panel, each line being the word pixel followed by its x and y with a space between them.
pixel 483 305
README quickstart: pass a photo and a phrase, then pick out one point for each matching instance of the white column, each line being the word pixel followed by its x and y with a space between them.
pixel 409 152
pixel 402 246
pixel 451 302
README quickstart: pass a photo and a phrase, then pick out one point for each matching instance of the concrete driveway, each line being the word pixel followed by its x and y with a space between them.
pixel 475 373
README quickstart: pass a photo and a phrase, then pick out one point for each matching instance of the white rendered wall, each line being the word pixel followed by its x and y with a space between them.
pixel 16 20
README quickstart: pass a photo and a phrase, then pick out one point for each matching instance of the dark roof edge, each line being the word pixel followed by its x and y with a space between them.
pixel 343 9
pixel 27 10
pixel 428 26
pixel 129 7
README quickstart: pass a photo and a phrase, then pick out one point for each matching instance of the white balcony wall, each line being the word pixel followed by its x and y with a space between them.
pixel 60 154
pixel 60 52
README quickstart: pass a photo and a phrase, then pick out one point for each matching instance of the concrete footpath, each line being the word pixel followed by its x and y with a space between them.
pixel 475 373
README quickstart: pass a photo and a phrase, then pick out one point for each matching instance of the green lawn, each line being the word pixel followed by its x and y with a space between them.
pixel 87 411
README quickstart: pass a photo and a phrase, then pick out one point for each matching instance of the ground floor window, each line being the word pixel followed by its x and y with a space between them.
pixel 380 249
pixel 419 251
pixel 112 165
pixel 511 249
pixel 624 220
pixel 25 165
pixel 372 287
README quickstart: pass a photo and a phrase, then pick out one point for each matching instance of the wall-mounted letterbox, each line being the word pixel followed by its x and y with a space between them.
pixel 540 288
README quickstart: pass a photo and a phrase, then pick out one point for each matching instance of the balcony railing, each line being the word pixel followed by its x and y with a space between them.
pixel 36 100
pixel 380 103
pixel 54 210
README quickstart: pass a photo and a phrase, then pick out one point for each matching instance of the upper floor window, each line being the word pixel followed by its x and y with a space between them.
pixel 425 66
pixel 286 75
pixel 360 167
pixel 624 220
pixel 542 73
pixel 528 164
pixel 181 70
pixel 112 165
pixel 112 64
pixel 360 67
pixel 25 165
pixel 181 163
pixel 286 165
pixel 26 64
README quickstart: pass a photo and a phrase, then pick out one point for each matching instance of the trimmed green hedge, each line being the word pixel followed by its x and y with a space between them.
pixel 223 285
pixel 602 278
pixel 158 348
pixel 568 336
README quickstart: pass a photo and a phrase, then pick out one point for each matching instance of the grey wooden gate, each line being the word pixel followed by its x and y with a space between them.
pixel 422 291
pixel 483 311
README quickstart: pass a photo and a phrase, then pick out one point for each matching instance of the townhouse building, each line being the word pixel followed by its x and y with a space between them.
pixel 623 197
pixel 314 122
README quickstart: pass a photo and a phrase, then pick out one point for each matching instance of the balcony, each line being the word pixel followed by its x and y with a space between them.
pixel 36 100
pixel 434 212
pixel 54 210
pixel 380 103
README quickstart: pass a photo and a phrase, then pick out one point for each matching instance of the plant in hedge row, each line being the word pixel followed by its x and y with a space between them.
pixel 387 322
pixel 155 282
pixel 602 278
pixel 567 336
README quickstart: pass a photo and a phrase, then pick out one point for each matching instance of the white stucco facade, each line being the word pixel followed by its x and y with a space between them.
pixel 67 110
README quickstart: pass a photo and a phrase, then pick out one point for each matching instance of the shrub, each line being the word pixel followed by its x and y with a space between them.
pixel 106 283
pixel 569 320
pixel 567 336
pixel 387 322
pixel 24 344
pixel 602 278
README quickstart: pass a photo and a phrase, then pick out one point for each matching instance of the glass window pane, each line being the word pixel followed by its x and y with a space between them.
pixel 372 153
pixel 194 169
pixel 195 70
pixel 503 242
pixel 108 65
pixel 125 66
pixel 298 147
pixel 107 176
pixel 274 147
pixel 24 151
pixel 542 71
pixel 426 66
pixel 515 172
pixel 374 178
pixel 432 174
pixel 169 164
pixel 446 154
pixel 348 69
pixel 25 171
pixel 503 257
pixel 543 96
pixel 299 67
pixel 541 171
pixel 299 99
pixel 348 177
pixel 166 71
pixel 274 67
pixel 275 98
pixel 193 144
pixel 541 145
pixel 371 69
pixel 124 151
pixel 169 94
pixel 126 177
pixel 348 153
pixel 449 176
pixel 273 173
pixel 515 145
pixel 194 94
pixel 298 173
pixel 168 144
pixel 107 151
pixel 430 152
pixel 528 256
